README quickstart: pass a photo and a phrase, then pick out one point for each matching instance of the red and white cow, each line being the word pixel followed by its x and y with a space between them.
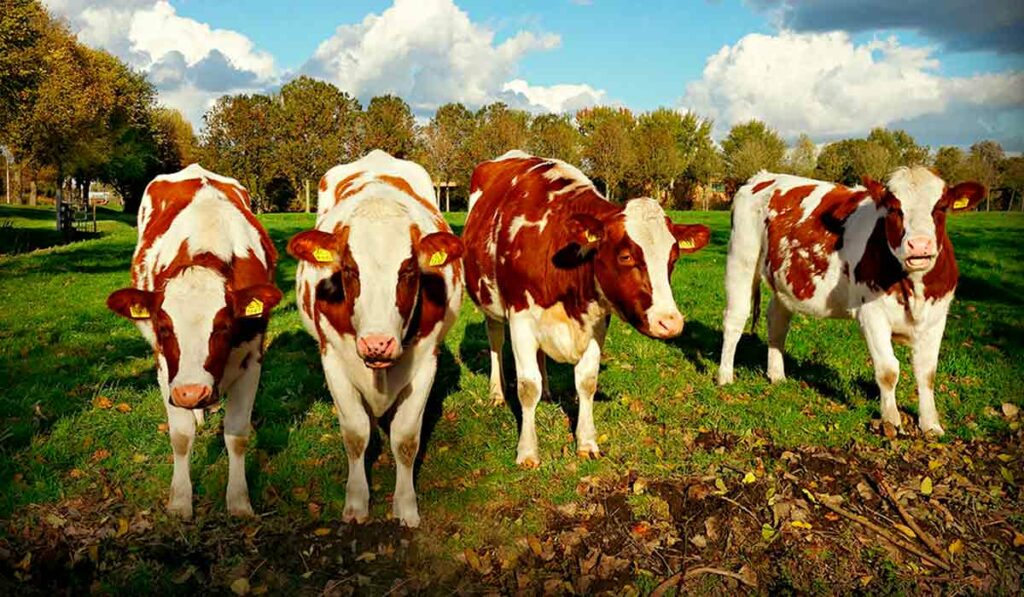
pixel 201 294
pixel 379 283
pixel 878 254
pixel 552 257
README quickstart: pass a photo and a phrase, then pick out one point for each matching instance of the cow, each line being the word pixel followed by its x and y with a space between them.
pixel 379 284
pixel 202 289
pixel 877 253
pixel 549 255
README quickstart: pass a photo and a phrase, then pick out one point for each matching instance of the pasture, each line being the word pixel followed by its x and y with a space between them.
pixel 753 487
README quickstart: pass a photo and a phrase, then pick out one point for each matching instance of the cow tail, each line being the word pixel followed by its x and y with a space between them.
pixel 755 303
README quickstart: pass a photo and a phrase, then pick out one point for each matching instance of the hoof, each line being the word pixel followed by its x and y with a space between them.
pixel 411 521
pixel 725 378
pixel 180 510
pixel 588 451
pixel 242 510
pixel 497 398
pixel 933 429
pixel 529 461
pixel 355 515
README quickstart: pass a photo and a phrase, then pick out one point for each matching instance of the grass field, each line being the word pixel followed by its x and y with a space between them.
pixel 698 485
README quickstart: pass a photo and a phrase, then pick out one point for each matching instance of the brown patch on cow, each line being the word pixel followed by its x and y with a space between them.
pixel 344 187
pixel 589 385
pixel 929 380
pixel 529 393
pixel 762 186
pixel 238 445
pixel 180 443
pixel 168 199
pixel 323 184
pixel 354 444
pixel 407 451
pixel 888 380
pixel 166 341
pixel 901 339
pixel 942 279
pixel 879 269
pixel 335 296
pixel 403 185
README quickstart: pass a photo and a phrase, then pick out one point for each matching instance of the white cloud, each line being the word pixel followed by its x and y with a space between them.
pixel 428 52
pixel 564 98
pixel 826 85
pixel 190 62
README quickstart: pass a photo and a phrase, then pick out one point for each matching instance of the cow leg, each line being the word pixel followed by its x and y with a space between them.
pixel 878 333
pixel 237 426
pixel 778 326
pixel 496 339
pixel 524 348
pixel 586 386
pixel 741 282
pixel 355 432
pixel 542 366
pixel 927 341
pixel 181 425
pixel 405 442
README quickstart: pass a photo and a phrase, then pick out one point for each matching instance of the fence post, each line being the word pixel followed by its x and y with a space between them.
pixel 306 181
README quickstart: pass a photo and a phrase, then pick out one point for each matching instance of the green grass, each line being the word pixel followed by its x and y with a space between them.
pixel 60 350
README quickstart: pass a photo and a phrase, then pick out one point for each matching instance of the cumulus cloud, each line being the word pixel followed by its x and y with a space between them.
pixel 826 85
pixel 958 24
pixel 190 62
pixel 429 52
pixel 561 99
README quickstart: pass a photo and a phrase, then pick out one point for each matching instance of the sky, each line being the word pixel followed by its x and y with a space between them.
pixel 950 72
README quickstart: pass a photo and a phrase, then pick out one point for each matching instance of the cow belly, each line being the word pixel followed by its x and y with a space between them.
pixel 829 298
pixel 561 337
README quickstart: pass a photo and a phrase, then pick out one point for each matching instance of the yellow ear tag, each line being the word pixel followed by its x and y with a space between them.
pixel 961 203
pixel 254 308
pixel 322 255
pixel 138 312
pixel 590 236
pixel 686 243
pixel 438 258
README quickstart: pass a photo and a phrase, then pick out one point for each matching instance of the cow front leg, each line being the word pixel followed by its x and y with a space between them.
pixel 496 340
pixel 586 386
pixel 927 342
pixel 779 318
pixel 524 348
pixel 878 334
pixel 405 442
pixel 237 428
pixel 181 425
pixel 355 433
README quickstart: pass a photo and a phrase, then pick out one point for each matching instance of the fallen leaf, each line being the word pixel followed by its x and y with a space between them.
pixel 535 545
pixel 956 547
pixel 801 524
pixel 124 407
pixel 240 586
pixel 366 556
pixel 905 530
pixel 749 478
pixel 720 484
pixel 122 527
pixel 1007 475
pixel 1010 411
pixel 926 486
pixel 639 486
pixel 322 532
pixel 767 532
pixel 1018 539
pixel 162 428
pixel 699 540
pixel 102 402
pixel 99 455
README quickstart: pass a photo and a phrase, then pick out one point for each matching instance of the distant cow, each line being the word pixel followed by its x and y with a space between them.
pixel 878 254
pixel 379 284
pixel 201 294
pixel 552 257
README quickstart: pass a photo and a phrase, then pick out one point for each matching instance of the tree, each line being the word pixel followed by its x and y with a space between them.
pixel 238 140
pixel 555 136
pixel 388 124
pixel 444 146
pixel 177 145
pixel 607 144
pixel 750 147
pixel 659 160
pixel 872 159
pixel 983 165
pixel 900 147
pixel 803 157
pixel 23 25
pixel 949 163
pixel 1013 180
pixel 498 130
pixel 316 126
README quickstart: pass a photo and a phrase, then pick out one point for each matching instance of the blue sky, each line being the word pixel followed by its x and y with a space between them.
pixel 949 71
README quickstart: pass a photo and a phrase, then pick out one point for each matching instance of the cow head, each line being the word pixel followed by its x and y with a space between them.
pixel 916 202
pixel 193 322
pixel 377 269
pixel 634 252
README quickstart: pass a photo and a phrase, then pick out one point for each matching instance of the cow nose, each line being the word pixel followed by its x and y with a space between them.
pixel 190 395
pixel 668 326
pixel 921 246
pixel 381 347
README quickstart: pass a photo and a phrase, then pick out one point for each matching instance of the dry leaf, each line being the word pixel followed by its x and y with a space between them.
pixel 366 556
pixel 322 532
pixel 905 530
pixel 1018 539
pixel 535 545
pixel 122 527
pixel 926 486
pixel 1010 411
pixel 240 586
pixel 749 478
pixel 124 407
pixel 956 547
pixel 102 402
pixel 801 524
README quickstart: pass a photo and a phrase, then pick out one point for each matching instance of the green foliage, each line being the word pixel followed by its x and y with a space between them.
pixel 750 147
pixel 239 141
pixel 388 124
pixel 608 151
pixel 555 136
pixel 803 157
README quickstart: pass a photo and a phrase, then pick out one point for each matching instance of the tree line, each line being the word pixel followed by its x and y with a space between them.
pixel 71 114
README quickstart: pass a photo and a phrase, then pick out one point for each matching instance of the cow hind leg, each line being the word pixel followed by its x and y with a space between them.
pixel 496 340
pixel 524 348
pixel 741 282
pixel 778 326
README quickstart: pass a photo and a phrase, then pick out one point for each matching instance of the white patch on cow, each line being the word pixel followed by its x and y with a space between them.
pixel 918 190
pixel 813 200
pixel 561 337
pixel 645 225
pixel 513 154
pixel 473 197
pixel 520 221
pixel 192 300
pixel 369 167
pixel 379 242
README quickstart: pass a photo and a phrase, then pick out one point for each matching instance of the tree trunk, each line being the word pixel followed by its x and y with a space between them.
pixel 307 194
pixel 33 192
pixel 447 198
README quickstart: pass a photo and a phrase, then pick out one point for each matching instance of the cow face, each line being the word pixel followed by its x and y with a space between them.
pixel 916 202
pixel 193 323
pixel 377 270
pixel 634 253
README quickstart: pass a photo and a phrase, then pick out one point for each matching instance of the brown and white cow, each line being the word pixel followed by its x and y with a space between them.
pixel 201 294
pixel 552 257
pixel 878 254
pixel 379 283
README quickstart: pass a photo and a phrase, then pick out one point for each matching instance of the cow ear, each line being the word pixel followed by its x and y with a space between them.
pixel 965 196
pixel 691 238
pixel 438 249
pixel 132 303
pixel 314 246
pixel 875 188
pixel 255 301
pixel 585 230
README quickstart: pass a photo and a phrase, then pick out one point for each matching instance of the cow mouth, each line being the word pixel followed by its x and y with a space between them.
pixel 919 262
pixel 374 363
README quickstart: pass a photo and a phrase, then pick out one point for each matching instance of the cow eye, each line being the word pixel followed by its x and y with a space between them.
pixel 626 259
